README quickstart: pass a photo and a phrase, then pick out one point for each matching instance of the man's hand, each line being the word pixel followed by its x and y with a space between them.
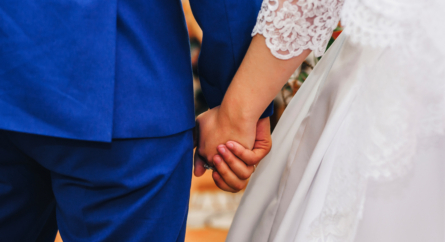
pixel 235 164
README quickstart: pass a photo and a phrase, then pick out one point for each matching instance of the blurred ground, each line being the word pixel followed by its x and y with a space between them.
pixel 211 210
pixel 206 235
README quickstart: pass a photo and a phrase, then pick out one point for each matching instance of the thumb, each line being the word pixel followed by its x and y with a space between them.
pixel 263 140
pixel 198 168
pixel 262 145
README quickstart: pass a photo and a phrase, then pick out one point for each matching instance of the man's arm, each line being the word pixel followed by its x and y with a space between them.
pixel 227 26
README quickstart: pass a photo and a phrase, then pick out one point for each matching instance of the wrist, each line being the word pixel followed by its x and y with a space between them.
pixel 237 115
pixel 237 126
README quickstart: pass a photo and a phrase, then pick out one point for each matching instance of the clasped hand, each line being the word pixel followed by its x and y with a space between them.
pixel 232 147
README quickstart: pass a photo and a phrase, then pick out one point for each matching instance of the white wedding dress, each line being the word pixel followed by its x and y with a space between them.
pixel 359 153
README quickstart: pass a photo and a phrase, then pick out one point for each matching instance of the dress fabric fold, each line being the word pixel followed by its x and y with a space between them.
pixel 331 176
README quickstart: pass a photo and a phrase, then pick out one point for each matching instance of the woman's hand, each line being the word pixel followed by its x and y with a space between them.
pixel 235 164
pixel 231 172
pixel 215 128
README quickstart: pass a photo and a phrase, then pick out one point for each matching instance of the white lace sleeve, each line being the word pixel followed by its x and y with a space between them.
pixel 291 26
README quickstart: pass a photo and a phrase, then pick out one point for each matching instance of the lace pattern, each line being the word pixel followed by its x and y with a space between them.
pixel 401 24
pixel 291 26
pixel 379 23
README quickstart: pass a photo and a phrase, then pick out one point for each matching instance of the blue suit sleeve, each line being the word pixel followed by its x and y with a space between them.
pixel 227 26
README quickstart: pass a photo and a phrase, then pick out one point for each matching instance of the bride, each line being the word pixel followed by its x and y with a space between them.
pixel 358 155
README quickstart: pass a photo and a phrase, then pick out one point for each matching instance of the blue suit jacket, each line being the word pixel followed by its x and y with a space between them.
pixel 102 69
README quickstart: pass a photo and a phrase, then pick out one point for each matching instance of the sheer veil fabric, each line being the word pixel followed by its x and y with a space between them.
pixel 358 153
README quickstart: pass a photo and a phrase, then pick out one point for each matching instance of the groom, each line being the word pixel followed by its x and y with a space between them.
pixel 96 113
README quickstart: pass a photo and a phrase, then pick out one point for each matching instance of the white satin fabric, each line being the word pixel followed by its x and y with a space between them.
pixel 358 155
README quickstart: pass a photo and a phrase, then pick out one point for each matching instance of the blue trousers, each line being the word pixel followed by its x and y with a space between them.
pixel 127 190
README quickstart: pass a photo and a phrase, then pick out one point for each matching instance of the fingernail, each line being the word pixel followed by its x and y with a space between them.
pixel 217 159
pixel 222 149
pixel 230 144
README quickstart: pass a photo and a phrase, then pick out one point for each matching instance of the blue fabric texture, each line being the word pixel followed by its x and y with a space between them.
pixel 102 69
pixel 132 190
pixel 75 72
pixel 227 26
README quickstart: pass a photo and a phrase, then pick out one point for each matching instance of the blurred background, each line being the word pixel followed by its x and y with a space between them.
pixel 211 210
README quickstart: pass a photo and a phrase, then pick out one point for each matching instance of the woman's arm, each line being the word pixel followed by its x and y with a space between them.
pixel 258 80
pixel 286 32
pixel 256 83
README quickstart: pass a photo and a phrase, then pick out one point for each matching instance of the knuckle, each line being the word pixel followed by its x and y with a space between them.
pixel 245 175
pixel 256 160
pixel 221 185
pixel 238 186
pixel 250 162
pixel 218 184
pixel 217 181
